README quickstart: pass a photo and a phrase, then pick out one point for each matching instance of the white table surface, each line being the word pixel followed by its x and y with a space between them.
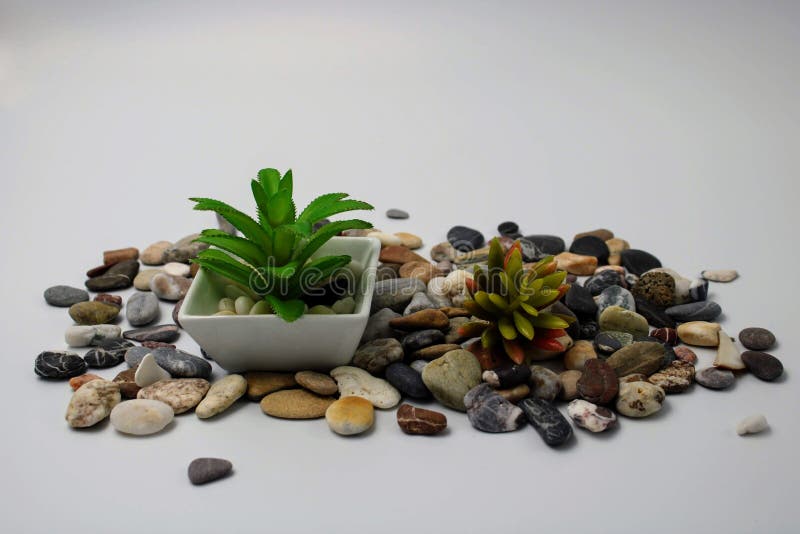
pixel 674 124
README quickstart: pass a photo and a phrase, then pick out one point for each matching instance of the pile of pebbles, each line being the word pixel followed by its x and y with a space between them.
pixel 628 351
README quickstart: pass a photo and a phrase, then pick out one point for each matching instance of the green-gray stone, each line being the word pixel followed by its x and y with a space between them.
pixel 451 376
pixel 93 312
pixel 619 319
pixel 645 357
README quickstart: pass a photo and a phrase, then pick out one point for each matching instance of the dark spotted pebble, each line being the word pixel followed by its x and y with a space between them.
pixel 602 280
pixel 714 378
pixel 176 362
pixel 65 296
pixel 407 381
pixel 756 338
pixel 395 213
pixel 165 333
pixel 59 364
pixel 762 365
pixel 551 425
pixel 109 353
pixel 598 382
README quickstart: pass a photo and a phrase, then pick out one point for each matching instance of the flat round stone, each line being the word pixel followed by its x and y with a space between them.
pixel 762 365
pixel 205 470
pixel 65 296
pixel 395 213
pixel 755 338
pixel 714 378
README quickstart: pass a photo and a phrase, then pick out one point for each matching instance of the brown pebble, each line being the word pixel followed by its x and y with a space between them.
pixel 193 269
pixel 176 310
pixel 455 312
pixel 419 421
pixel 94 272
pixel 600 233
pixel 668 336
pixel 105 298
pixel 317 382
pixel 121 254
pixel 127 383
pixel 399 254
pixel 260 383
pixel 598 383
pixel 434 351
pixel 635 377
pixel 685 354
pixel 77 381
pixel 421 320
pixel 422 270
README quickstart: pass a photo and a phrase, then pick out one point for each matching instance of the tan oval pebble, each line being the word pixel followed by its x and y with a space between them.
pixel 699 333
pixel 576 357
pixel 419 421
pixel 409 240
pixel 316 382
pixel 515 394
pixel 221 396
pixel 154 254
pixel 141 417
pixel 639 399
pixel 110 257
pixel 616 245
pixel 422 270
pixel 295 404
pixel 142 280
pixel 349 416
pixel 569 384
pixel 356 382
pixel 92 403
pixel 260 383
pixel 182 394
pixel 720 275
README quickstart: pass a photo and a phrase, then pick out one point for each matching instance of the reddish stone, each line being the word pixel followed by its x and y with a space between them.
pixel 488 358
pixel 77 381
pixel 455 312
pixel 413 420
pixel 111 257
pixel 157 344
pixel 421 320
pixel 114 300
pixel 685 354
pixel 598 383
pixel 94 272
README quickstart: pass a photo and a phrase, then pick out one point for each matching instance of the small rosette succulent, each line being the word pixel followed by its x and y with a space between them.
pixel 507 302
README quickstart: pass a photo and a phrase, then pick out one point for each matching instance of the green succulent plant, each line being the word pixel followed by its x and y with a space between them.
pixel 508 301
pixel 273 257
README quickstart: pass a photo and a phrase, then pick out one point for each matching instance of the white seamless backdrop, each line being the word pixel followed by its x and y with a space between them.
pixel 676 124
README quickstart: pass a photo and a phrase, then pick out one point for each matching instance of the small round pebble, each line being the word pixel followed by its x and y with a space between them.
pixel 762 365
pixel 756 338
pixel 395 213
pixel 714 378
pixel 752 425
pixel 65 296
pixel 316 382
pixel 141 417
pixel 204 470
pixel 349 416
pixel 508 228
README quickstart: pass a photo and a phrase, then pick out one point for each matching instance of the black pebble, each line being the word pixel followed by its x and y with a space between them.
pixel 639 262
pixel 465 239
pixel 108 282
pixel 580 301
pixel 547 420
pixel 421 339
pixel 655 315
pixel 764 366
pixel 588 330
pixel 549 244
pixel 591 246
pixel 59 364
pixel 407 381
pixel 602 280
pixel 508 228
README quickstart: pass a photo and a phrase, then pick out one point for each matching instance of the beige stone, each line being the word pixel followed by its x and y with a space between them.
pixel 142 280
pixel 92 403
pixel 576 357
pixel 569 384
pixel 699 333
pixel 181 394
pixel 221 396
pixel 350 415
pixel 295 404
pixel 576 263
pixel 154 254
pixel 409 240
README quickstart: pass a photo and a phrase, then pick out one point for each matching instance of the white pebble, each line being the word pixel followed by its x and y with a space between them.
pixel 177 269
pixel 728 356
pixel 141 417
pixel 720 275
pixel 243 305
pixel 386 239
pixel 752 425
pixel 83 336
pixel 149 372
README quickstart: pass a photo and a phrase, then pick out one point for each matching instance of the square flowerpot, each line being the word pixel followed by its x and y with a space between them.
pixel 267 342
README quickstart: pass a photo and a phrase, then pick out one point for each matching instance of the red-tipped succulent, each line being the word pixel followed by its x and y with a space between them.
pixel 507 302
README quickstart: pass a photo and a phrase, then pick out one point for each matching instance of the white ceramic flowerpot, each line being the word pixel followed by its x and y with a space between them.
pixel 267 342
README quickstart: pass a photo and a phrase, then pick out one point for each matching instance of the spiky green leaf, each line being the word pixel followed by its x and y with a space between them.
pixel 270 180
pixel 243 248
pixel 289 310
pixel 523 325
pixel 244 223
pixel 324 234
